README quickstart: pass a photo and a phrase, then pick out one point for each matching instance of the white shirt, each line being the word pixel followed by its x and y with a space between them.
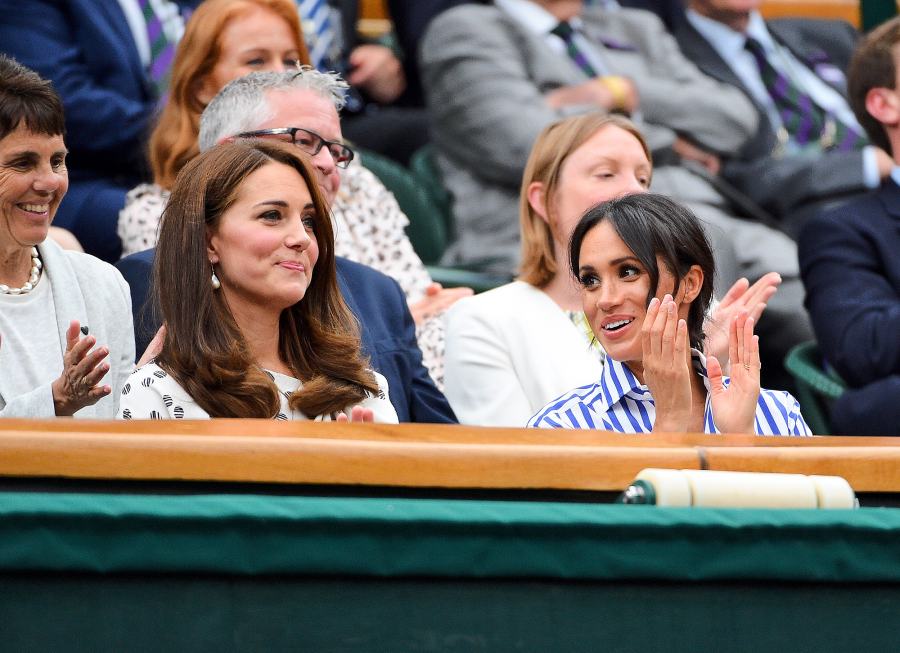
pixel 540 21
pixel 169 16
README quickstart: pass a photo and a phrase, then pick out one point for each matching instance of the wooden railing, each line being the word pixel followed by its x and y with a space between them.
pixel 415 455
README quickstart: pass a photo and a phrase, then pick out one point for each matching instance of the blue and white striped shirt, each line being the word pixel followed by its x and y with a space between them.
pixel 619 402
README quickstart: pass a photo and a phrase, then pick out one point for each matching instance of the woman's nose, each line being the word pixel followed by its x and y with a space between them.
pixel 608 296
pixel 47 180
pixel 298 238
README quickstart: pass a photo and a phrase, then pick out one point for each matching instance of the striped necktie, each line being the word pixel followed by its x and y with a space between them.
pixel 319 33
pixel 162 50
pixel 806 122
pixel 567 33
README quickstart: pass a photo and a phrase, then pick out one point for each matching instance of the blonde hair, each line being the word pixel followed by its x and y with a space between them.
pixel 174 140
pixel 548 154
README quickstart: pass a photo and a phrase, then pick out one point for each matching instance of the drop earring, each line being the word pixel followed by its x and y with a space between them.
pixel 216 284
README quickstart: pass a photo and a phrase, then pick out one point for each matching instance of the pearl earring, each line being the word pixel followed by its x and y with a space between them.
pixel 216 284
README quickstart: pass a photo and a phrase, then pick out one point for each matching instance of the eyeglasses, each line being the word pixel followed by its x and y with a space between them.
pixel 308 141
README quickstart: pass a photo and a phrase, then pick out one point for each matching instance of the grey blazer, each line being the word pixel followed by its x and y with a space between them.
pixel 86 289
pixel 781 185
pixel 485 77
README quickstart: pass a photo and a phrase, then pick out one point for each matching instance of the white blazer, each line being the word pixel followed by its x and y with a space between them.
pixel 86 289
pixel 509 352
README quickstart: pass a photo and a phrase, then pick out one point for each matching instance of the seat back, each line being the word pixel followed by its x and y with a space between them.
pixel 424 166
pixel 816 387
pixel 427 229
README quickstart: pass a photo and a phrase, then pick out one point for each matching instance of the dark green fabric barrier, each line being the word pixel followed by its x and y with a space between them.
pixel 138 614
pixel 249 535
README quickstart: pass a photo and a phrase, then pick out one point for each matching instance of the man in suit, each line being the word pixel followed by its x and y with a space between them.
pixel 495 75
pixel 848 258
pixel 790 174
pixel 99 57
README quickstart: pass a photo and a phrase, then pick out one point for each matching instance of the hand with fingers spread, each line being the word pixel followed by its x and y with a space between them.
pixel 357 414
pixel 734 407
pixel 666 363
pixel 83 368
pixel 740 297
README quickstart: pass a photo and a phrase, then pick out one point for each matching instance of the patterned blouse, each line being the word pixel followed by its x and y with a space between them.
pixel 151 393
pixel 369 228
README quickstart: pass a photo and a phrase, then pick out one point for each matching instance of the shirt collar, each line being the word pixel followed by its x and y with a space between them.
pixel 895 175
pixel 617 381
pixel 726 41
pixel 532 16
pixel 756 28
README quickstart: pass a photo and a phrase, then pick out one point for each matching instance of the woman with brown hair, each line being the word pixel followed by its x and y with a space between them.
pixel 227 39
pixel 252 331
pixel 511 350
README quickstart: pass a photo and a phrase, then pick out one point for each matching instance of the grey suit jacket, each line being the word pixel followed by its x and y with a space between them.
pixel 86 289
pixel 783 185
pixel 485 77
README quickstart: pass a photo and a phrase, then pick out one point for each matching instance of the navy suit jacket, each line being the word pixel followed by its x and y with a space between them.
pixel 87 49
pixel 851 269
pixel 786 184
pixel 387 332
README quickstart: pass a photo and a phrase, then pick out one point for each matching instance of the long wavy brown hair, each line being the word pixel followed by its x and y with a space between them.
pixel 204 348
pixel 548 154
pixel 174 139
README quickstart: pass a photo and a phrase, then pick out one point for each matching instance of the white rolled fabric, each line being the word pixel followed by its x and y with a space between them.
pixel 691 487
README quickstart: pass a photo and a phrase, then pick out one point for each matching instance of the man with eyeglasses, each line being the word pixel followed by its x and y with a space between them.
pixel 302 108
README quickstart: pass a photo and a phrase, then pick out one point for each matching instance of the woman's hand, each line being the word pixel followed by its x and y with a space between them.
pixel 437 299
pixel 740 297
pixel 153 347
pixel 734 407
pixel 357 414
pixel 667 365
pixel 82 370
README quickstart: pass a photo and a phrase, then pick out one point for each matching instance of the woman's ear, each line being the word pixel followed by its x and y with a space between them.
pixel 691 284
pixel 204 91
pixel 211 248
pixel 536 200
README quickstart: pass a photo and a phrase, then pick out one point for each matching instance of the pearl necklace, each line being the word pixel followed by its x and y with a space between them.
pixel 32 279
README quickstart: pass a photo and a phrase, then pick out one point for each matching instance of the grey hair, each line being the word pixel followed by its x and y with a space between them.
pixel 241 105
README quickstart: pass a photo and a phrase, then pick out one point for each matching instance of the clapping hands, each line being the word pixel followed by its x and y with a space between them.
pixel 734 407
pixel 740 297
pixel 83 369
pixel 667 365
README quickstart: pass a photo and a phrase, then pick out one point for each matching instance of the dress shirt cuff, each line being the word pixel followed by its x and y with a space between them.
pixel 871 177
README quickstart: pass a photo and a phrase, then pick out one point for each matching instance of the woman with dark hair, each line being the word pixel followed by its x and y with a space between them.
pixel 252 330
pixel 55 305
pixel 512 349
pixel 645 269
